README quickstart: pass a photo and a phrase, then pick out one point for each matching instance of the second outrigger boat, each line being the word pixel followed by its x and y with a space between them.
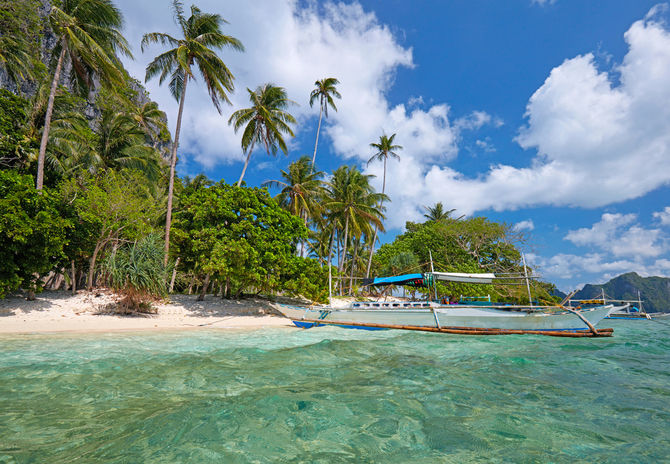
pixel 466 318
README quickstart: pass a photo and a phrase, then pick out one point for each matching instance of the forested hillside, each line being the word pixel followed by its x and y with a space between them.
pixel 655 291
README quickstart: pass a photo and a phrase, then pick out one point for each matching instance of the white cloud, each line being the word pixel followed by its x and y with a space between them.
pixel 485 145
pixel 615 234
pixel 663 216
pixel 543 2
pixel 591 135
pixel 293 44
pixel 525 225
pixel 615 244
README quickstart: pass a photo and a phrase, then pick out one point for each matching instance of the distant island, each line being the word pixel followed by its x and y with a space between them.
pixel 655 291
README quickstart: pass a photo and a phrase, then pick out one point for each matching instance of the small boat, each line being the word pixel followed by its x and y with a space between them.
pixel 468 317
pixel 626 309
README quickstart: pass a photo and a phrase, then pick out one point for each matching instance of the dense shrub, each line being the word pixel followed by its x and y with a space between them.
pixel 32 233
pixel 136 271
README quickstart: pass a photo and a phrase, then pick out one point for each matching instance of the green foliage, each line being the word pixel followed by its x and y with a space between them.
pixel 239 236
pixel 32 233
pixel 21 28
pixel 136 271
pixel 15 142
pixel 305 277
pixel 470 245
pixel 654 291
pixel 201 36
pixel 107 210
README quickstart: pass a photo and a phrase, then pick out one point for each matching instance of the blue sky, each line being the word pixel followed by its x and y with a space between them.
pixel 547 114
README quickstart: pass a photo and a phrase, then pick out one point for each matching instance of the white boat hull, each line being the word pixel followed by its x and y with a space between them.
pixel 451 316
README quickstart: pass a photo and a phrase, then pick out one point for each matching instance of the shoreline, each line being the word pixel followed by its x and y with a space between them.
pixel 89 312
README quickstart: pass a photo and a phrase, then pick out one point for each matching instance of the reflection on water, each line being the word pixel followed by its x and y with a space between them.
pixel 335 395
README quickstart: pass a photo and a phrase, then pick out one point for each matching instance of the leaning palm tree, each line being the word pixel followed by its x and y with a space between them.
pixel 264 122
pixel 301 191
pixel 385 149
pixel 437 212
pixel 324 92
pixel 88 33
pixel 202 35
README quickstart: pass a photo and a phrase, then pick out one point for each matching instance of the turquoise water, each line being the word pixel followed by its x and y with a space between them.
pixel 335 395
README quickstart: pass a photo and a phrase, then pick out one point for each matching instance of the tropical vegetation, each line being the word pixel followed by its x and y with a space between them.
pixel 202 35
pixel 88 184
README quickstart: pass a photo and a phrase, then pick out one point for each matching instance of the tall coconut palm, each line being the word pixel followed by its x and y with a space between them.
pixel 437 212
pixel 324 92
pixel 353 203
pixel 301 191
pixel 196 49
pixel 264 122
pixel 385 149
pixel 88 33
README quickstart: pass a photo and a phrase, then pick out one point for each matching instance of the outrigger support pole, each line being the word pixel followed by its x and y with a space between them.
pixel 525 274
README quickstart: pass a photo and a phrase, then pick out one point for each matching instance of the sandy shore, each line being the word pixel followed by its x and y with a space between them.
pixel 90 312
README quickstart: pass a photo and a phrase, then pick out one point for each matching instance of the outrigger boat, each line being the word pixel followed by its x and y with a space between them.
pixel 627 309
pixel 480 318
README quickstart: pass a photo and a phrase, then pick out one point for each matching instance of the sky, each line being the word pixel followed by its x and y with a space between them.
pixel 551 115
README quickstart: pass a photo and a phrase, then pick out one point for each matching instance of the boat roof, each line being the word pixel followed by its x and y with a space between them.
pixel 423 280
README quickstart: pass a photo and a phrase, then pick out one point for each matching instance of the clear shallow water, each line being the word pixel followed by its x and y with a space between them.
pixel 336 395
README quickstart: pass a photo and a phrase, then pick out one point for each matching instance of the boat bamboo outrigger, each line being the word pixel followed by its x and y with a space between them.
pixel 628 309
pixel 471 318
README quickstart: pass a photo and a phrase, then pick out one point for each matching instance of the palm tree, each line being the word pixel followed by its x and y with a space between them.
pixel 265 121
pixel 202 35
pixel 353 202
pixel 88 32
pixel 116 142
pixel 385 149
pixel 16 60
pixel 437 212
pixel 151 119
pixel 301 191
pixel 324 92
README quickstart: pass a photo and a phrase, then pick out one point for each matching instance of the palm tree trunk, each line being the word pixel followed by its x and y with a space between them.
pixel 303 215
pixel 244 169
pixel 47 121
pixel 374 237
pixel 344 250
pixel 353 267
pixel 330 266
pixel 318 129
pixel 173 163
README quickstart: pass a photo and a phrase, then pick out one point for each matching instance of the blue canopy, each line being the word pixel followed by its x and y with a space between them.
pixel 415 280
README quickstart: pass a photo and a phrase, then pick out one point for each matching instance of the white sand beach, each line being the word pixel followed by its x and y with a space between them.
pixel 92 312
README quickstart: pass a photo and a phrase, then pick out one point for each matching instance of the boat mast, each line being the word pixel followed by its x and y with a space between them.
pixel 525 274
pixel 603 291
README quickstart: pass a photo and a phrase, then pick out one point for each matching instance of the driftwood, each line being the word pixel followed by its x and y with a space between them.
pixel 472 330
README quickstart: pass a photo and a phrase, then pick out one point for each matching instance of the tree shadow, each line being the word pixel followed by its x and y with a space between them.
pixel 17 304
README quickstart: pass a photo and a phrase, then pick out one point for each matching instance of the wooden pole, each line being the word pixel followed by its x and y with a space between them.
pixel 579 315
pixel 470 330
